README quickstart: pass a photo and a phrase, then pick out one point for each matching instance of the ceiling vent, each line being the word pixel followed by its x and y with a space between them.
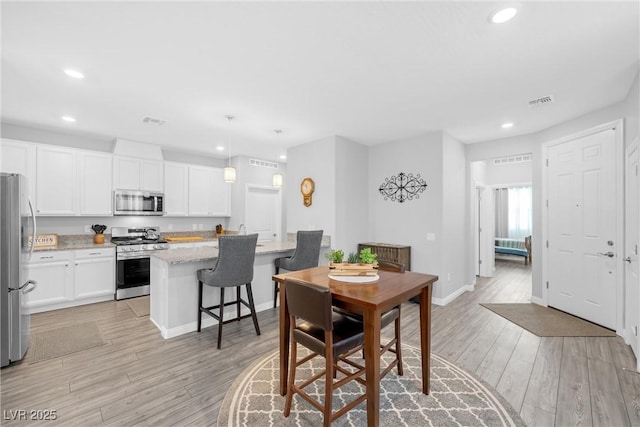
pixel 263 163
pixel 549 99
pixel 152 121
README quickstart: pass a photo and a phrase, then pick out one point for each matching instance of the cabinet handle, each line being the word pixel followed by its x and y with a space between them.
pixel 66 265
pixel 76 263
pixel 94 253
pixel 46 257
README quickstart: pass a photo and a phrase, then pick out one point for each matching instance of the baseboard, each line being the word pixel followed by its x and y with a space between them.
pixel 539 301
pixel 446 300
pixel 208 321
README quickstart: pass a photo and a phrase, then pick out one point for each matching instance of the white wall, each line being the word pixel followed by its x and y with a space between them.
pixel 508 173
pixel 632 112
pixel 352 195
pixel 456 239
pixel 315 160
pixel 408 223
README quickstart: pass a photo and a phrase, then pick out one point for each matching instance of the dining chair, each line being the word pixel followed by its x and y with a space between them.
pixel 393 315
pixel 233 269
pixel 325 333
pixel 306 255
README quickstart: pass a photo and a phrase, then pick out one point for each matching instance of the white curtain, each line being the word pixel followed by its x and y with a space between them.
pixel 519 212
pixel 502 212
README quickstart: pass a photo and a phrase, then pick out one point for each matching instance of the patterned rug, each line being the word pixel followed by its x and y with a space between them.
pixel 457 398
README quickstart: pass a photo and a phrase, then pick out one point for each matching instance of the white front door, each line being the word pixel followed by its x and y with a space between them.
pixel 582 217
pixel 632 237
pixel 263 212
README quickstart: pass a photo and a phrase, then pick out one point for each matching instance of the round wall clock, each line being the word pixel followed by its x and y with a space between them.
pixel 306 188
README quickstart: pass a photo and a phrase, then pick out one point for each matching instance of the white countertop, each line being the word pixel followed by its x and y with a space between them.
pixel 187 255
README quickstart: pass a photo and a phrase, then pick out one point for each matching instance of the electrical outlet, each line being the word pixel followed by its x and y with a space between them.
pixel 170 227
pixel 87 229
pixel 448 277
pixel 200 226
pixel 194 227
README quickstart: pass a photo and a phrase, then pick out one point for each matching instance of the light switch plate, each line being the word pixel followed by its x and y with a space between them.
pixel 431 237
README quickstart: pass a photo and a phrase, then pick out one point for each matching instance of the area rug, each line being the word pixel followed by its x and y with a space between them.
pixel 457 398
pixel 139 305
pixel 548 322
pixel 59 342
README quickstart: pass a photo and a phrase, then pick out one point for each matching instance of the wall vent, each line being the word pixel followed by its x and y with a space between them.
pixel 153 121
pixel 263 163
pixel 512 159
pixel 549 99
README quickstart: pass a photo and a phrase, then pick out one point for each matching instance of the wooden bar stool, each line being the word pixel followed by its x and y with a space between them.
pixel 234 268
pixel 393 315
pixel 327 334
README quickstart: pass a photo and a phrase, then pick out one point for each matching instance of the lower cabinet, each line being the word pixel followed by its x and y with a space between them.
pixel 70 278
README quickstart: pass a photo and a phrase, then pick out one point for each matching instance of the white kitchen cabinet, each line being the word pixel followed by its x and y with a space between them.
pixel 55 180
pixel 71 278
pixel 220 192
pixel 200 191
pixel 53 270
pixel 176 189
pixel 208 193
pixel 94 273
pixel 137 174
pixel 20 157
pixel 94 180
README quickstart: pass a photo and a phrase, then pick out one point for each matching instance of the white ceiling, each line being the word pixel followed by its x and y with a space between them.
pixel 371 72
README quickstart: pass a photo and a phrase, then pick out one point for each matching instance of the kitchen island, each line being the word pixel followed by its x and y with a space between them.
pixel 174 285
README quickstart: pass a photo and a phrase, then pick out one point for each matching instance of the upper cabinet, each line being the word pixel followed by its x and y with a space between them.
pixel 208 193
pixel 176 189
pixel 56 181
pixel 20 157
pixel 94 180
pixel 137 174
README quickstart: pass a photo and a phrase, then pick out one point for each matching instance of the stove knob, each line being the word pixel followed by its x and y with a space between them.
pixel 143 247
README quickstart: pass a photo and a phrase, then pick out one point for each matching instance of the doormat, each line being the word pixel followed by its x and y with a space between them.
pixel 548 322
pixel 62 341
pixel 140 305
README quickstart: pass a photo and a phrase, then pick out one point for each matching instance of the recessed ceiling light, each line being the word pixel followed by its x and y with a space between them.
pixel 503 15
pixel 283 157
pixel 74 73
pixel 507 125
pixel 220 148
pixel 69 119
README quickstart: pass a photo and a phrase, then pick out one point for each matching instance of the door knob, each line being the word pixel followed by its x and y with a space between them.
pixel 609 254
pixel 628 259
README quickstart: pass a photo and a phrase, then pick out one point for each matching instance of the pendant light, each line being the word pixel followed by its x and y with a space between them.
pixel 278 178
pixel 229 173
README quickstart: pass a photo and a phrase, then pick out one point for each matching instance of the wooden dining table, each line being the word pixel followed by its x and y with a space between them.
pixel 371 300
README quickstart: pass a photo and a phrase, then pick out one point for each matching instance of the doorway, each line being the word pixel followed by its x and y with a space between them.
pixel 583 224
pixel 263 211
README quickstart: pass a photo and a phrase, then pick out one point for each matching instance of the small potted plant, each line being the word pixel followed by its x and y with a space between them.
pixel 98 238
pixel 353 258
pixel 367 257
pixel 335 256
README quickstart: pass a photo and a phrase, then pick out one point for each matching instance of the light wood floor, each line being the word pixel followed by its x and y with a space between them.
pixel 140 378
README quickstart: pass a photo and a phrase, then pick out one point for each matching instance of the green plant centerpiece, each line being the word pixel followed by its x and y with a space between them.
pixel 335 256
pixel 368 257
pixel 353 258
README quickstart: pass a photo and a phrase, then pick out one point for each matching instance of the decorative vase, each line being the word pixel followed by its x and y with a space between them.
pixel 98 238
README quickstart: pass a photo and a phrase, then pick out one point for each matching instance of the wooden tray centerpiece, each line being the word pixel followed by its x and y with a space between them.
pixel 364 264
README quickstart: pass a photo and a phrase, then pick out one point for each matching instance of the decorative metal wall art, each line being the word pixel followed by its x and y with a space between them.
pixel 402 187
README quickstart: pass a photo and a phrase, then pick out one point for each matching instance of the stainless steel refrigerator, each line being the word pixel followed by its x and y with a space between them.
pixel 17 237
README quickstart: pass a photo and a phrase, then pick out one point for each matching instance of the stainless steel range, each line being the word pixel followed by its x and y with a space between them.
pixel 133 266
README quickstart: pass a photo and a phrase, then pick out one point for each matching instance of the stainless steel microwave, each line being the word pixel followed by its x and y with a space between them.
pixel 127 202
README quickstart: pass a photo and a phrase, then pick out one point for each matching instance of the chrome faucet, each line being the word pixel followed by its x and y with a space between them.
pixel 242 229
